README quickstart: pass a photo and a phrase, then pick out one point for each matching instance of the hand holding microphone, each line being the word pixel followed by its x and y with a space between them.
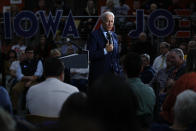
pixel 109 45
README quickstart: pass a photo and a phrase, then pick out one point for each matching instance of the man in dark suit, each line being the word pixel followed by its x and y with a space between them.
pixel 103 49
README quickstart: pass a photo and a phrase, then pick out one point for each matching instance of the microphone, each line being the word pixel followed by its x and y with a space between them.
pixel 109 36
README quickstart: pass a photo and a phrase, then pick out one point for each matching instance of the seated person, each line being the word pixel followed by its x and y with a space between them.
pixel 46 98
pixel 28 73
pixel 148 72
pixel 132 66
pixel 5 101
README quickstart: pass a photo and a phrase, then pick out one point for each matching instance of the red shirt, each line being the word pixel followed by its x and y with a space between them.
pixel 187 81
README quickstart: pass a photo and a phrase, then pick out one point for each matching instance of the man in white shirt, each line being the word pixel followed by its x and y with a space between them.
pixel 160 61
pixel 46 98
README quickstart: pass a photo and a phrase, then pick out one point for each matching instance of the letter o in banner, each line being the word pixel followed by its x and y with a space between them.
pixel 161 32
pixel 31 30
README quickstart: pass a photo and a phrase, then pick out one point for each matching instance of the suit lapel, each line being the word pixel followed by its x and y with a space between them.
pixel 103 39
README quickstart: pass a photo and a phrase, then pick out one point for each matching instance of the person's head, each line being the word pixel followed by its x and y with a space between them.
pixel 21 56
pixel 178 56
pixel 183 47
pixel 107 20
pixel 145 59
pixel 122 2
pixel 53 67
pixel 12 55
pixel 112 100
pixel 14 8
pixel 75 105
pixel 153 6
pixel 55 53
pixel 185 108
pixel 21 41
pixel 175 57
pixel 170 60
pixel 74 114
pixel 142 36
pixel 29 52
pixel 164 48
pixel 110 4
pixel 42 40
pixel 90 4
pixel 41 3
pixel 132 64
pixel 58 4
pixel 7 122
pixel 191 45
pixel 191 61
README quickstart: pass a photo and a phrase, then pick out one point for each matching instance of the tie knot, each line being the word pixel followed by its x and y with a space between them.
pixel 108 35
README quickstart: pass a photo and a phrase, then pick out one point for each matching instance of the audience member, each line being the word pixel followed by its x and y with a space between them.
pixel 183 47
pixel 112 101
pixel 76 104
pixel 191 45
pixel 20 46
pixel 46 98
pixel 12 56
pixel 43 48
pixel 160 61
pixel 161 77
pixel 28 73
pixel 142 45
pixel 147 72
pixel 7 122
pixel 5 101
pixel 186 81
pixel 79 78
pixel 121 11
pixel 159 83
pixel 110 6
pixel 132 66
pixel 86 24
pixel 184 110
pixel 74 115
pixel 68 49
pixel 177 56
pixel 55 53
pixel 13 69
pixel 184 114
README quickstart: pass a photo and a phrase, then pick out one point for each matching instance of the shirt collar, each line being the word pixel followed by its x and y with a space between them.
pixel 104 31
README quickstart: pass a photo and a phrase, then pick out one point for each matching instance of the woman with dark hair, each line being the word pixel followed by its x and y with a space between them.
pixel 11 56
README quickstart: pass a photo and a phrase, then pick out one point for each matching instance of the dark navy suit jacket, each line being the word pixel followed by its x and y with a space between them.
pixel 100 63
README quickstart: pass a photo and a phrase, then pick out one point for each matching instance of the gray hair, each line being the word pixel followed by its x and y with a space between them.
pixel 7 122
pixel 147 56
pixel 165 44
pixel 179 52
pixel 103 16
pixel 185 108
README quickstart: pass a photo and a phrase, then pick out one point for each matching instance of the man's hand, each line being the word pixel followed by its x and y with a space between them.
pixel 109 47
pixel 28 84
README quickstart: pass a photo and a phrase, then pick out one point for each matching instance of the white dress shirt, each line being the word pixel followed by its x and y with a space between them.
pixel 159 63
pixel 46 98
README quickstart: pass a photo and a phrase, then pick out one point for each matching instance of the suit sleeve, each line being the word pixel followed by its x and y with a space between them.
pixel 95 52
